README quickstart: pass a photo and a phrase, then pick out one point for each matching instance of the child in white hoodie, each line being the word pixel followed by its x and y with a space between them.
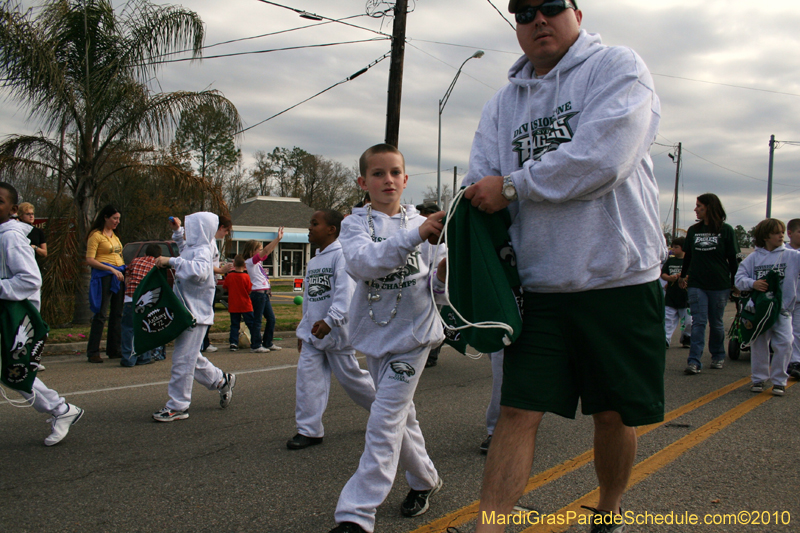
pixel 771 254
pixel 20 280
pixel 195 285
pixel 395 323
pixel 322 336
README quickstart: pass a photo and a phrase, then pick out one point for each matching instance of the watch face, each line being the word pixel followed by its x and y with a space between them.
pixel 509 191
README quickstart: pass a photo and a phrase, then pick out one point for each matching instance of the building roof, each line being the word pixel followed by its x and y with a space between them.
pixel 272 211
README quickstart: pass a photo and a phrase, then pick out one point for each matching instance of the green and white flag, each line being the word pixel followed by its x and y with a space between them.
pixel 22 336
pixel 159 316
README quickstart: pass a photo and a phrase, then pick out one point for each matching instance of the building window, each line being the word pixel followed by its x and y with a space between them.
pixel 292 259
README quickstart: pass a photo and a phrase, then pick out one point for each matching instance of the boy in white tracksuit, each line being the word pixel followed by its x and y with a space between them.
pixel 20 280
pixel 395 323
pixel 793 232
pixel 195 285
pixel 771 254
pixel 322 336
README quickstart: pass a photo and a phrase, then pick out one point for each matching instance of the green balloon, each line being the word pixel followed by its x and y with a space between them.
pixel 298 300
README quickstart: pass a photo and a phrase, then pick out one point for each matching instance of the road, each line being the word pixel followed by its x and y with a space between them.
pixel 722 449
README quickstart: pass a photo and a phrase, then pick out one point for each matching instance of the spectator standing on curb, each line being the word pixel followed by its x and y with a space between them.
pixel 134 274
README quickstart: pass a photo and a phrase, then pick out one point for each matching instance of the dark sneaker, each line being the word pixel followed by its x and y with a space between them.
pixel 667 344
pixel 758 386
pixel 717 364
pixel 298 442
pixel 778 390
pixel 794 370
pixel 348 527
pixel 168 415
pixel 686 340
pixel 234 347
pixel 605 522
pixel 62 423
pixel 485 445
pixel 691 369
pixel 226 391
pixel 417 501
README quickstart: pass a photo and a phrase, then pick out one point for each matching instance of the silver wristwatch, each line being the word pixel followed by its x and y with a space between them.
pixel 509 191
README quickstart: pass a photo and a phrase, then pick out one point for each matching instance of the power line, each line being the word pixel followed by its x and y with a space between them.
pixel 502 15
pixel 449 65
pixel 314 16
pixel 351 77
pixel 724 84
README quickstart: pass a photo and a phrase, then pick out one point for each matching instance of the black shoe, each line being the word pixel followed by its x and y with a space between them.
pixel 298 442
pixel 485 445
pixel 348 527
pixel 691 370
pixel 416 502
pixel 234 347
pixel 794 370
pixel 430 362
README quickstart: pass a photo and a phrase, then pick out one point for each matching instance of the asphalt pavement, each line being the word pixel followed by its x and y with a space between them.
pixel 723 454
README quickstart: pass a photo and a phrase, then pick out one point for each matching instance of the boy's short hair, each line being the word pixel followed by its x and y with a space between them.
pixel 679 241
pixel 238 261
pixel 793 225
pixel 152 250
pixel 332 218
pixel 382 148
pixel 225 222
pixel 14 195
pixel 765 228
pixel 24 207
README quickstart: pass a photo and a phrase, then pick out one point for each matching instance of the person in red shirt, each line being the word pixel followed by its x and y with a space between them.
pixel 239 305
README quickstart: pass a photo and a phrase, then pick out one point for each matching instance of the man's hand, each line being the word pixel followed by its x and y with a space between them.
pixel 683 282
pixel 432 228
pixel 487 195
pixel 162 262
pixel 760 285
pixel 226 267
pixel 320 329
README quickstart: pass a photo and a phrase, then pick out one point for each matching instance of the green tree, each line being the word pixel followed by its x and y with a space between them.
pixel 743 237
pixel 83 73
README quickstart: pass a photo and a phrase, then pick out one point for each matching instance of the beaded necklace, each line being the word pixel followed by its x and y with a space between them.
pixel 374 297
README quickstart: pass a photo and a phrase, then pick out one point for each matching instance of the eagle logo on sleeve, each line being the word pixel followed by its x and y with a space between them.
pixel 148 300
pixel 23 337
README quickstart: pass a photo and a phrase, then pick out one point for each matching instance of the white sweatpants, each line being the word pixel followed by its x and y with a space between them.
pixel 189 364
pixel 796 334
pixel 394 439
pixel 493 411
pixel 780 334
pixel 46 400
pixel 314 370
pixel 672 317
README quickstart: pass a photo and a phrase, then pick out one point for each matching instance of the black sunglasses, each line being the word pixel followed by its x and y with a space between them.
pixel 548 9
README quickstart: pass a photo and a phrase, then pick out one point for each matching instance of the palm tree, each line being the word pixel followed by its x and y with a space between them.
pixel 83 72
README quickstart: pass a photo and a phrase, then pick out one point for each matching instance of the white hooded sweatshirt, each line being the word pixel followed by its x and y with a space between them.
pixel 327 295
pixel 194 269
pixel 19 275
pixel 416 323
pixel 756 265
pixel 576 144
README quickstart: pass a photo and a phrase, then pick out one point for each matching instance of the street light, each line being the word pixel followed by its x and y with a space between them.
pixel 442 103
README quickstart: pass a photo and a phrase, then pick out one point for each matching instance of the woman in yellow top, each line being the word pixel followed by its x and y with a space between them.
pixel 107 287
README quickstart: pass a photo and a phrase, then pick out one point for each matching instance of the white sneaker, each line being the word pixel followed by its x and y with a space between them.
pixel 62 423
pixel 226 391
pixel 274 348
pixel 211 348
pixel 260 349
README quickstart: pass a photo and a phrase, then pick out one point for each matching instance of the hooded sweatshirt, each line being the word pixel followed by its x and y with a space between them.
pixel 756 265
pixel 19 274
pixel 396 251
pixel 576 144
pixel 194 269
pixel 327 295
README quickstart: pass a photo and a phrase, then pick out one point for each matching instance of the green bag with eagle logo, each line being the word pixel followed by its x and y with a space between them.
pixel 159 316
pixel 22 337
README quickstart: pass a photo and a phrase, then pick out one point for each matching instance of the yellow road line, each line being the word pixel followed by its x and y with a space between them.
pixel 659 460
pixel 465 514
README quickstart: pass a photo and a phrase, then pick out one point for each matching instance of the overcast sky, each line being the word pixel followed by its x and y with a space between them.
pixel 726 72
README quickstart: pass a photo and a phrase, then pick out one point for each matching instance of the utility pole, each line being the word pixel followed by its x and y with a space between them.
pixel 769 176
pixel 675 201
pixel 396 73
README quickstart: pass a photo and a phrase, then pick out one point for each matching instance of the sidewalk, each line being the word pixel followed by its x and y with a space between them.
pixel 74 348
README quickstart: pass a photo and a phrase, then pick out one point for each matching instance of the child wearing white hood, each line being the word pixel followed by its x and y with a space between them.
pixel 195 285
pixel 771 254
pixel 20 280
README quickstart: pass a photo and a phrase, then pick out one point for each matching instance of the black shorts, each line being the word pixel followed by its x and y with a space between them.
pixel 604 346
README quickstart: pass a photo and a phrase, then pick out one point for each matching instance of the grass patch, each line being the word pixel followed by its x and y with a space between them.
pixel 287 317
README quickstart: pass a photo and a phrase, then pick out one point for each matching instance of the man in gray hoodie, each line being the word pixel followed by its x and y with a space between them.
pixel 565 145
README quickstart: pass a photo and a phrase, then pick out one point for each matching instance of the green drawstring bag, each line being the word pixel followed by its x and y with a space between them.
pixel 22 336
pixel 159 316
pixel 761 309
pixel 483 284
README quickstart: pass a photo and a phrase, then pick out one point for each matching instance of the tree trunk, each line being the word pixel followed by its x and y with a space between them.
pixel 84 213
